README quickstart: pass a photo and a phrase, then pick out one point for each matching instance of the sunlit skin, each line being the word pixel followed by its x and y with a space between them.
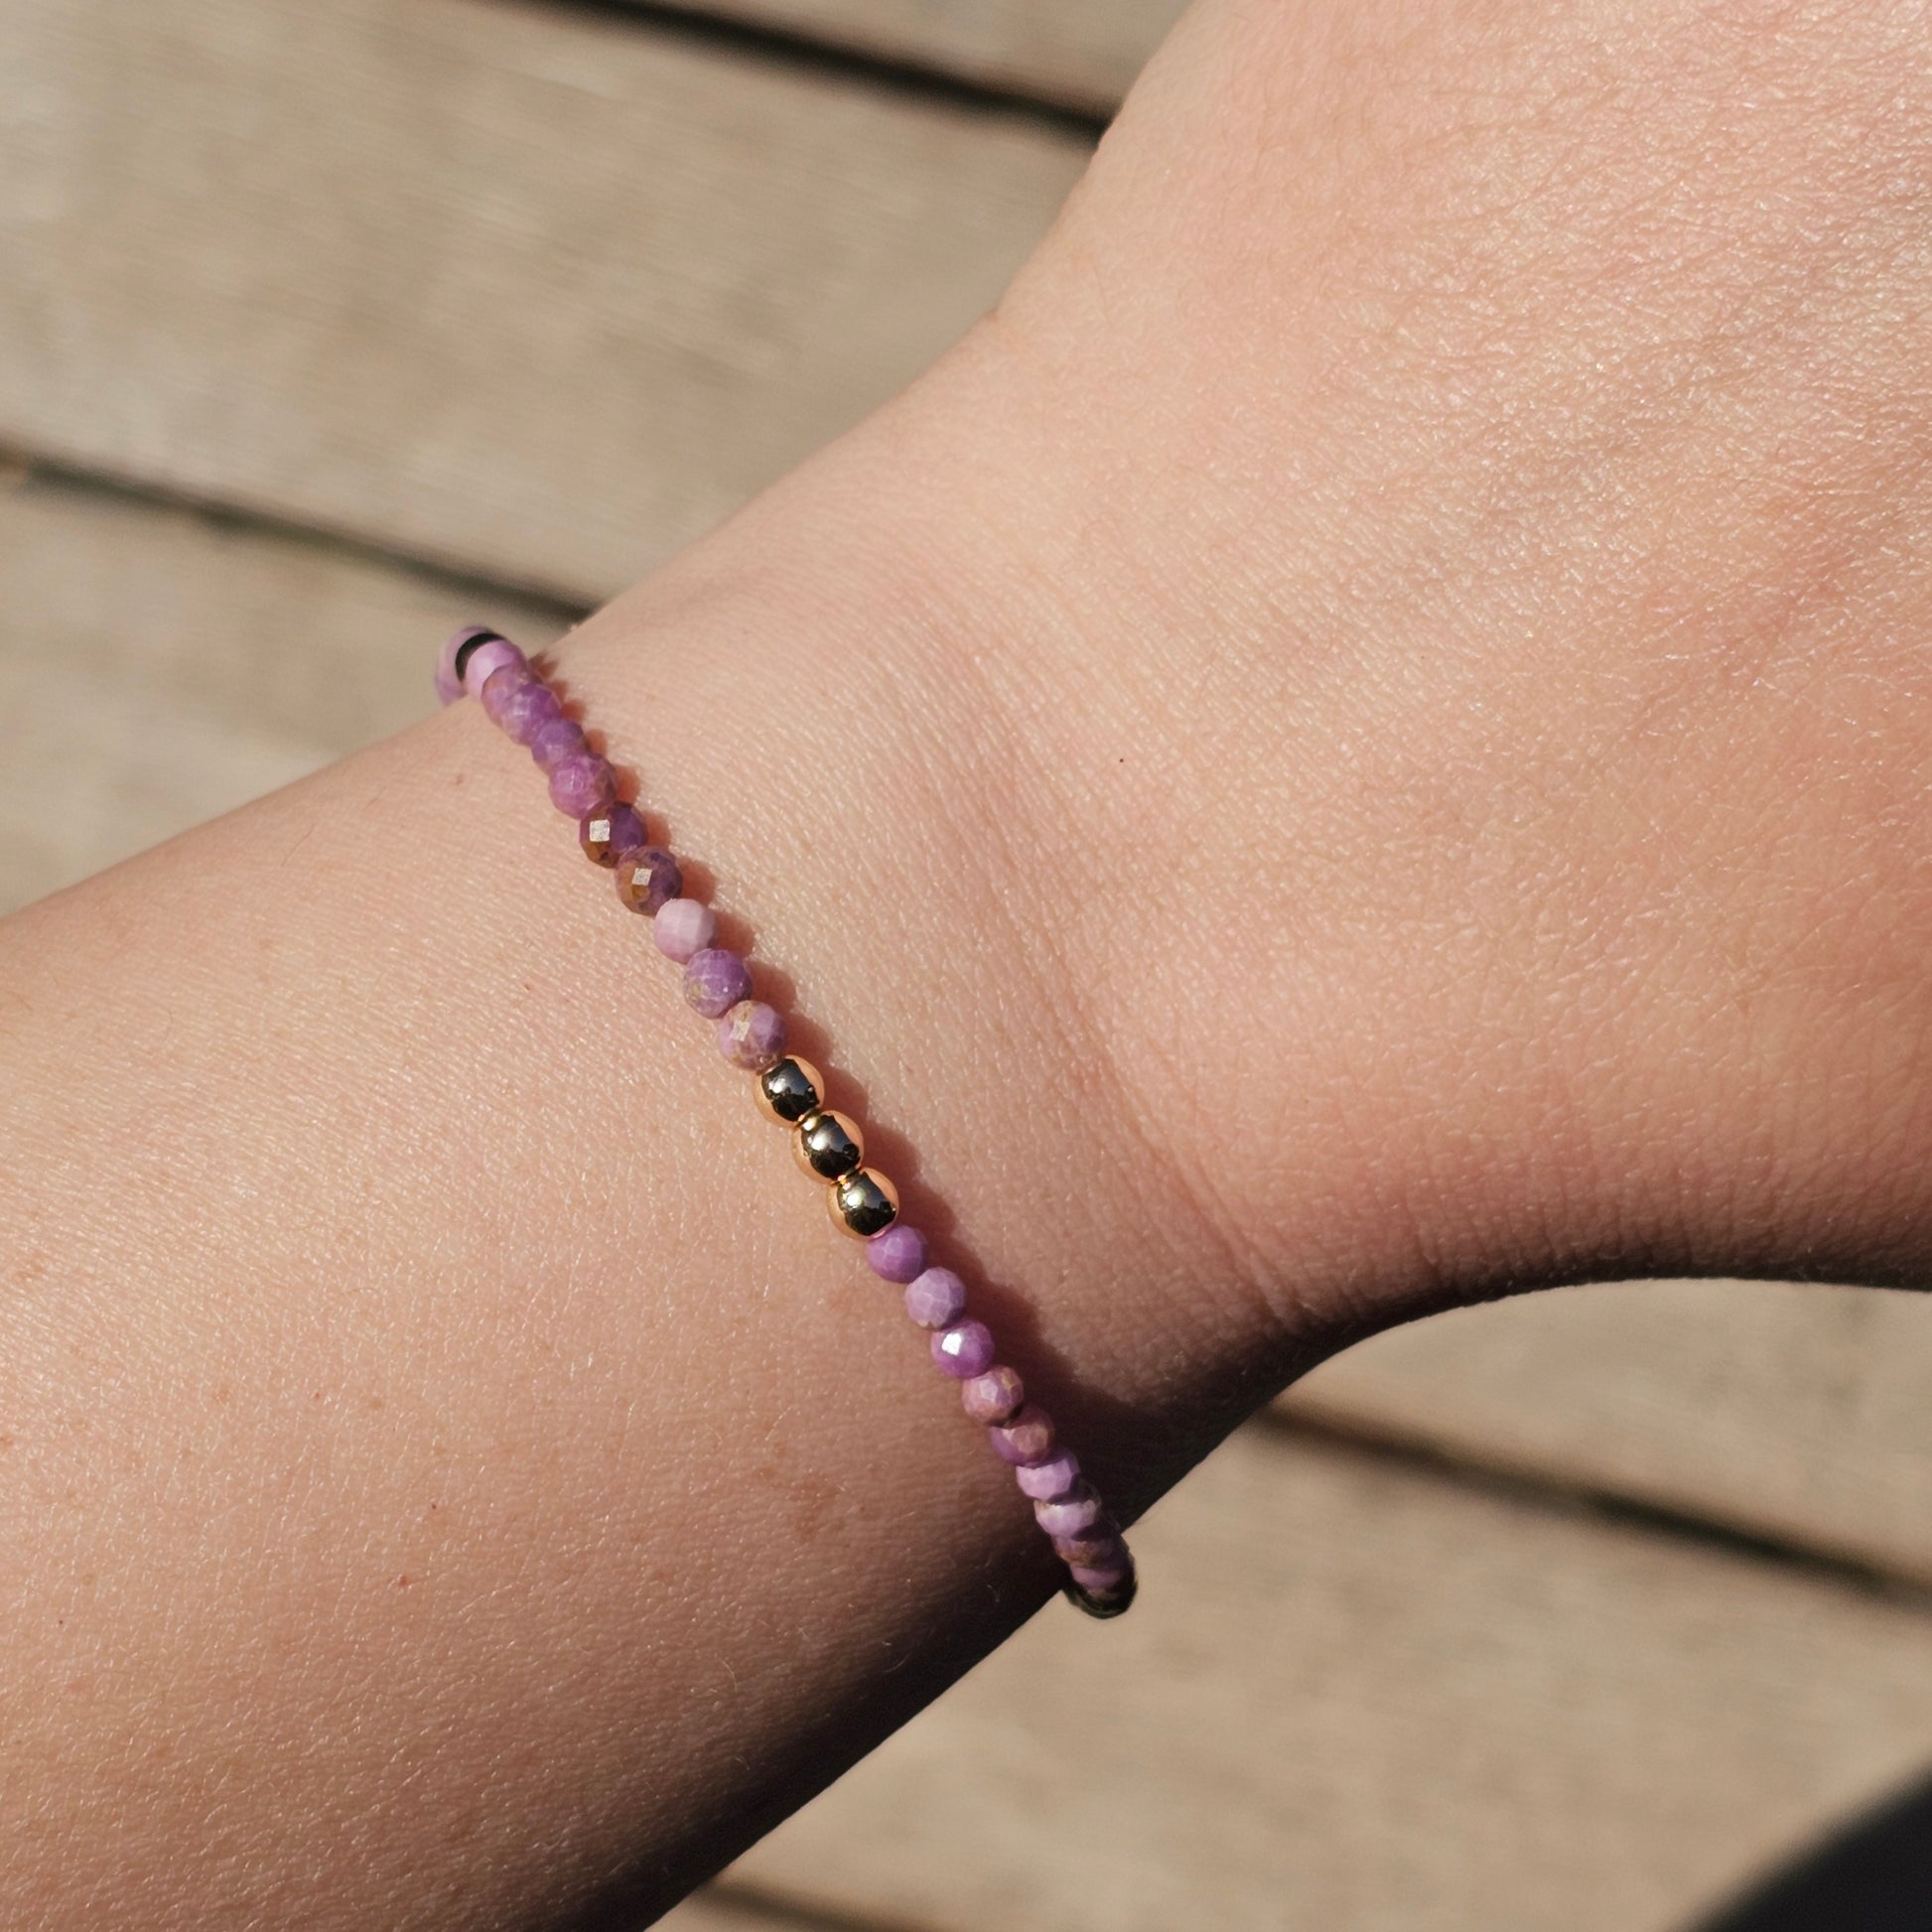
pixel 1364 742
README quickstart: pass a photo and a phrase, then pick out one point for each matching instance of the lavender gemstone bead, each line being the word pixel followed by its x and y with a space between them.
pixel 937 1299
pixel 751 1036
pixel 899 1254
pixel 449 687
pixel 499 686
pixel 966 1348
pixel 610 837
pixel 1025 1438
pixel 1096 1549
pixel 527 710
pixel 715 980
pixel 563 738
pixel 491 657
pixel 1104 1581
pixel 649 881
pixel 1049 1481
pixel 1074 1514
pixel 583 784
pixel 993 1396
pixel 683 927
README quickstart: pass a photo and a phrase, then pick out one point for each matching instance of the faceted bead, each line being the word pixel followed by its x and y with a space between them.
pixel 715 980
pixel 682 926
pixel 790 1090
pixel 649 881
pixel 897 1255
pixel 751 1035
pixel 829 1146
pixel 503 684
pixel 864 1204
pixel 448 678
pixel 528 709
pixel 1047 1481
pixel 490 655
pixel 937 1299
pixel 965 1348
pixel 1099 1549
pixel 561 738
pixel 582 784
pixel 1073 1514
pixel 993 1397
pixel 1025 1439
pixel 611 835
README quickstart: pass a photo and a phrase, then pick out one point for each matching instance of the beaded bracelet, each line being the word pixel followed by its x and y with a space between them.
pixel 717 982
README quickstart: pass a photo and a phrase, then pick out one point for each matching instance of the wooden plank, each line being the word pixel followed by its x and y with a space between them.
pixel 542 292
pixel 1081 53
pixel 712 1911
pixel 158 667
pixel 1801 1414
pixel 1354 1695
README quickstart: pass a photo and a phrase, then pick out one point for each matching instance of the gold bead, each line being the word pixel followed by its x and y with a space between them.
pixel 864 1204
pixel 828 1146
pixel 790 1089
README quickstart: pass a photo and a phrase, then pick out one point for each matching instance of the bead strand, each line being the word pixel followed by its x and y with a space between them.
pixel 828 1145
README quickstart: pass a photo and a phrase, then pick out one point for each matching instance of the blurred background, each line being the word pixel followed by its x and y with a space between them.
pixel 325 325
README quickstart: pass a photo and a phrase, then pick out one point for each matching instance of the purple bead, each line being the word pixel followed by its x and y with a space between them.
pixel 499 686
pixel 1099 1548
pixel 937 1299
pixel 993 1396
pixel 649 881
pixel 715 980
pixel 449 687
pixel 583 784
pixel 897 1255
pixel 966 1348
pixel 493 655
pixel 1049 1481
pixel 683 927
pixel 1104 1579
pixel 1074 1514
pixel 1025 1439
pixel 563 738
pixel 611 836
pixel 527 710
pixel 751 1036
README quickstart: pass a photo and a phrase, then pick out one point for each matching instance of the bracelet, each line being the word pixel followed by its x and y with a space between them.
pixel 480 663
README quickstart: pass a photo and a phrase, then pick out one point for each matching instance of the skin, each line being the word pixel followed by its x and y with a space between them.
pixel 1360 744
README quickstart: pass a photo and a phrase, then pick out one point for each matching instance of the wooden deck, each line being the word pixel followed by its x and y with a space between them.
pixel 323 327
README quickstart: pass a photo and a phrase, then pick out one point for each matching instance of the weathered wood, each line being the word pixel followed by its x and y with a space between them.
pixel 1801 1414
pixel 540 293
pixel 1356 1696
pixel 159 667
pixel 715 1911
pixel 1081 54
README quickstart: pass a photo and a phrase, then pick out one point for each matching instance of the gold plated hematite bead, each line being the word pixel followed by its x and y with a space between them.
pixel 829 1145
pixel 790 1089
pixel 864 1204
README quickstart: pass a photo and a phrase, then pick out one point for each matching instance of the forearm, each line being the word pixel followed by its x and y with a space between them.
pixel 1418 835
pixel 449 1448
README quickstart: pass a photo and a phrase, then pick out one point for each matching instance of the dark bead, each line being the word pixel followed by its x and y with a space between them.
pixel 790 1090
pixel 829 1145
